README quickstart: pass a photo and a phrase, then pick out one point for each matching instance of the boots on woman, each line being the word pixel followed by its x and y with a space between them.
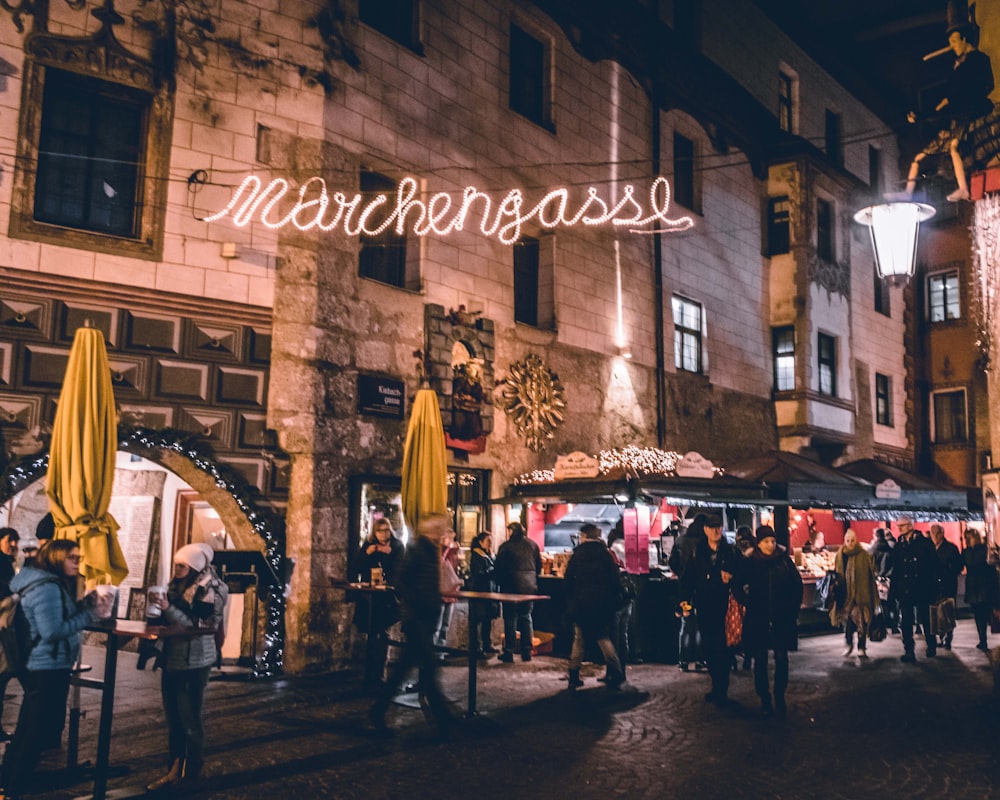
pixel 172 778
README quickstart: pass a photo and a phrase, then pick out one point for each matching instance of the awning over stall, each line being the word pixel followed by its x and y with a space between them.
pixel 862 490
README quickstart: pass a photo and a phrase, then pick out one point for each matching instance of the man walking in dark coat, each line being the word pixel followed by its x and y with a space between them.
pixel 704 591
pixel 949 563
pixel 913 585
pixel 592 600
pixel 418 586
pixel 518 564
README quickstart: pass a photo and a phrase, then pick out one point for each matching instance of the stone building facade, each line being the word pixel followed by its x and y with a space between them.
pixel 670 340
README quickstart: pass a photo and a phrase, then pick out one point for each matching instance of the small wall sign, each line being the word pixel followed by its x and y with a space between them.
pixel 380 397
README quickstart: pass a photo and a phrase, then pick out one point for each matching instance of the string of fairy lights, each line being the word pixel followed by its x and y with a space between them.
pixel 632 461
pixel 267 524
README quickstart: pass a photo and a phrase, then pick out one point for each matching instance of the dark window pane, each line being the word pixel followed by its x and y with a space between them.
pixel 90 155
pixel 382 257
pixel 526 281
pixel 882 295
pixel 394 18
pixel 949 417
pixel 827 347
pixel 778 226
pixel 824 229
pixel 883 399
pixel 683 171
pixel 527 75
pixel 785 85
pixel 875 170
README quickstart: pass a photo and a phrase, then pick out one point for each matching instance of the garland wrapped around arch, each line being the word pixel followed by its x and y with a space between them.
pixel 21 473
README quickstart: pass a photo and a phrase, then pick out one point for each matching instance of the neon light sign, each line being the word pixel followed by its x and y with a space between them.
pixel 315 209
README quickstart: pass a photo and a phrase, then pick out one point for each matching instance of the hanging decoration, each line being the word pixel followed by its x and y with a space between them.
pixel 268 525
pixel 534 400
pixel 361 215
pixel 986 272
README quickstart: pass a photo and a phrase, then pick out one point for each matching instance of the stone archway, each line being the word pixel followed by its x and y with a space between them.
pixel 251 525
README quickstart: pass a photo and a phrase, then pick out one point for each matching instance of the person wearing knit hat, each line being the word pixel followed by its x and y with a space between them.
pixel 197 556
pixel 770 587
pixel 196 598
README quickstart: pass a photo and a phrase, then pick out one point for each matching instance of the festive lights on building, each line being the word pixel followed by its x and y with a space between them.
pixel 316 209
pixel 631 460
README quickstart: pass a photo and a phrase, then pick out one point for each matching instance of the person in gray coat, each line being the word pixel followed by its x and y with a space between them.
pixel 517 566
pixel 196 598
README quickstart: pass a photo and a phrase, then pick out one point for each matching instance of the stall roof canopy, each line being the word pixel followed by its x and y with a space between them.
pixel 724 489
pixel 798 480
pixel 852 491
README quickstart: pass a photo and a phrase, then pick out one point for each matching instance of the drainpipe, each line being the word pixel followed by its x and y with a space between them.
pixel 658 326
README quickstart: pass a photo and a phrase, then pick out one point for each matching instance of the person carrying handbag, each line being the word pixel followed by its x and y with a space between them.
pixel 860 597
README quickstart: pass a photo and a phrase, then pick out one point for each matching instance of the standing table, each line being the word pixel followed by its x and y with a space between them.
pixel 120 631
pixel 503 597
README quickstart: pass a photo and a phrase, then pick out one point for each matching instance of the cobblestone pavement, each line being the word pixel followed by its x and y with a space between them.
pixel 855 729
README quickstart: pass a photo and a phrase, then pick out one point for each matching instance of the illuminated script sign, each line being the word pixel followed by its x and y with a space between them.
pixel 313 208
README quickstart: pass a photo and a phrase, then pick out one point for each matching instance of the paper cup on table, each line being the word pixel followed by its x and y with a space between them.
pixel 106 595
pixel 153 596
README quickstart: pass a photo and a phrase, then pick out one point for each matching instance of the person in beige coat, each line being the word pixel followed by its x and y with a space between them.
pixel 857 608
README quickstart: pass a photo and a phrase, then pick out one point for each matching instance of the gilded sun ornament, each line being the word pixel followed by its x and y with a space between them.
pixel 534 400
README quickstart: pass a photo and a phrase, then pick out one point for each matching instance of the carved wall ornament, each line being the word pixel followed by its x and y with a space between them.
pixel 534 400
pixel 831 275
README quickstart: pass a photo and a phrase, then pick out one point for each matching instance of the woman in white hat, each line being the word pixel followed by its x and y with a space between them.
pixel 195 598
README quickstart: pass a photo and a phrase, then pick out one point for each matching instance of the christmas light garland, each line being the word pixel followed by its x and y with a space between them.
pixel 268 525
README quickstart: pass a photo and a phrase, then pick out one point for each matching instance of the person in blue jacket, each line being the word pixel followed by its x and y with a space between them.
pixel 48 597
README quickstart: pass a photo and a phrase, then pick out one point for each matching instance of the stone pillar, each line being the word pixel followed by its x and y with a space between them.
pixel 329 324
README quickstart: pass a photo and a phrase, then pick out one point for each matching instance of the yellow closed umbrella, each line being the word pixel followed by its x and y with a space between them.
pixel 425 462
pixel 82 461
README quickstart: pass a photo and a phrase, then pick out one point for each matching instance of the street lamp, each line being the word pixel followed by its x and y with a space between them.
pixel 894 228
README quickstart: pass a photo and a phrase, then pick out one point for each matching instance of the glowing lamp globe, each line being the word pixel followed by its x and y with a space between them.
pixel 894 228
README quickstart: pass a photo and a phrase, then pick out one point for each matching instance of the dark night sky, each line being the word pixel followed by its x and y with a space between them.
pixel 875 47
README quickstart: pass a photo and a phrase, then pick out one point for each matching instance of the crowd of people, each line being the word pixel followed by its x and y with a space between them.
pixel 895 582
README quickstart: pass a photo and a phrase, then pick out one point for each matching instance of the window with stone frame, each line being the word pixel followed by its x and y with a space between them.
pixel 826 348
pixel 688 324
pixel 93 148
pixel 397 19
pixel 530 88
pixel 950 420
pixel 386 257
pixel 883 399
